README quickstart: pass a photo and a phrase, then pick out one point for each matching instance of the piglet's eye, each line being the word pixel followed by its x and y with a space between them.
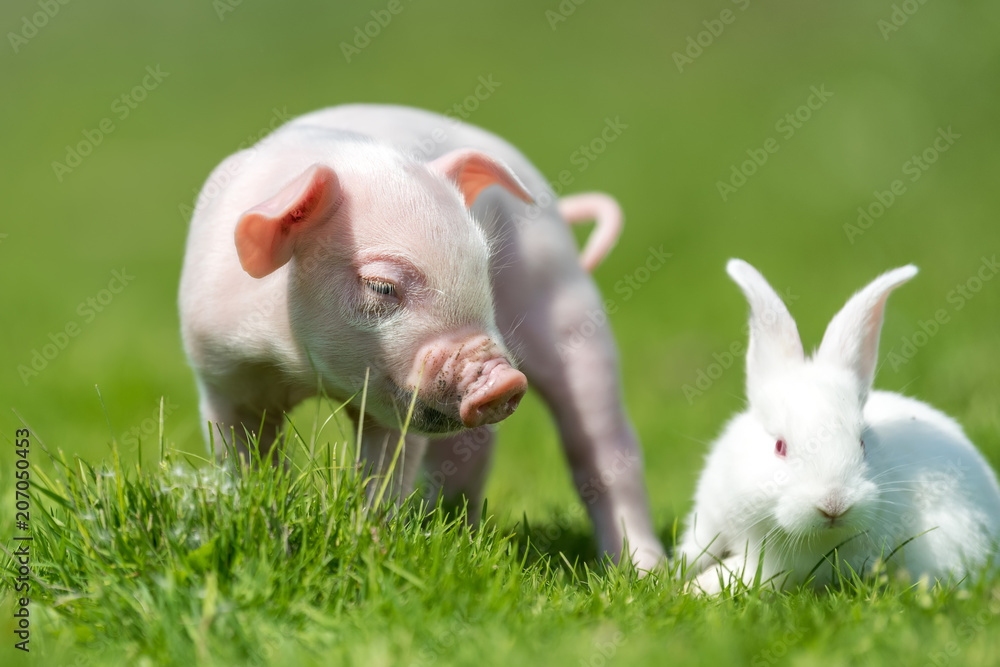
pixel 781 449
pixel 381 287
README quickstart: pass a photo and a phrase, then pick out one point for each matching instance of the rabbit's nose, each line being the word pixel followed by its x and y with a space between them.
pixel 832 509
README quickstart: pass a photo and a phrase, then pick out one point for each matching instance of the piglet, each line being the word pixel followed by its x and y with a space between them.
pixel 340 255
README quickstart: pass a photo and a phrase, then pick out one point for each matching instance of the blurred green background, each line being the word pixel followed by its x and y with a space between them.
pixel 228 70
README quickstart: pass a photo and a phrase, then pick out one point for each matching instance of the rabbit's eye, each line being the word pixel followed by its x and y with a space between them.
pixel 862 445
pixel 781 449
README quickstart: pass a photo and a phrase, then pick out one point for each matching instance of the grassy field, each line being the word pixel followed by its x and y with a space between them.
pixel 783 135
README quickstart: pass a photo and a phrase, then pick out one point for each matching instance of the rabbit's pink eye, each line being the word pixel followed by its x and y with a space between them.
pixel 781 449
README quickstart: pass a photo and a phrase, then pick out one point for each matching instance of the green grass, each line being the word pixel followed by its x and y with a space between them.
pixel 123 206
pixel 181 563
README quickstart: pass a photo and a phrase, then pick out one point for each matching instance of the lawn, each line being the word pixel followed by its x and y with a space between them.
pixel 822 142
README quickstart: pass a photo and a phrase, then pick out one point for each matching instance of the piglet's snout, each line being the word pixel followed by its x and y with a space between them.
pixel 494 395
pixel 469 378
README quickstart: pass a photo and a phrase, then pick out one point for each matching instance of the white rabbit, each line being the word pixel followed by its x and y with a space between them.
pixel 818 462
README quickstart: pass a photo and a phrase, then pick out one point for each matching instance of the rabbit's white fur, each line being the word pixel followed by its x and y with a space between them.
pixel 916 476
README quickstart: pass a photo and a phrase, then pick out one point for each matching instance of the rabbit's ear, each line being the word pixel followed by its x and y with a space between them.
pixel 774 338
pixel 851 339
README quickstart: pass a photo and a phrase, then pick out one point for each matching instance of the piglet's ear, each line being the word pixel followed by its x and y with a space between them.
pixel 473 172
pixel 266 234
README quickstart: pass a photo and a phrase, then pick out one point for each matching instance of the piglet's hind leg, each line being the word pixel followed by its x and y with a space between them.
pixel 570 358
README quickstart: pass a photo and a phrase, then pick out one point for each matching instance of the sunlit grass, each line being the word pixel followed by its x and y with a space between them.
pixel 182 561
